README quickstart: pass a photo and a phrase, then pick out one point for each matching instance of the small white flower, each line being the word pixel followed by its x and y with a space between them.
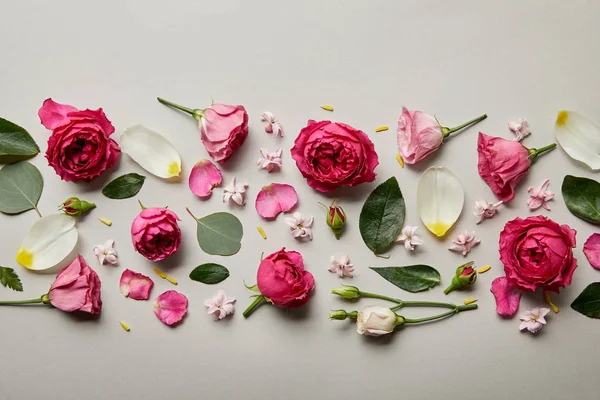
pixel 533 320
pixel 520 127
pixel 220 305
pixel 235 192
pixel 342 267
pixel 483 209
pixel 539 196
pixel 106 253
pixel 464 242
pixel 300 227
pixel 269 161
pixel 409 238
pixel 273 125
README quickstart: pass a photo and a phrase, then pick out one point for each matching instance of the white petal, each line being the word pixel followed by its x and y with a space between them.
pixel 48 243
pixel 579 136
pixel 440 199
pixel 152 151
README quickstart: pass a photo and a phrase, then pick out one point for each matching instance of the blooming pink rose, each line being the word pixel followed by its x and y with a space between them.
pixel 537 253
pixel 332 154
pixel 502 164
pixel 281 278
pixel 223 128
pixel 80 147
pixel 155 233
pixel 418 135
pixel 76 288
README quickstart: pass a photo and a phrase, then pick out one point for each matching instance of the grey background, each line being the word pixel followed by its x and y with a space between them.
pixel 367 59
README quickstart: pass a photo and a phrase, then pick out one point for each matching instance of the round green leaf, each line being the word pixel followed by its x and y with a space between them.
pixel 20 187
pixel 16 144
pixel 124 187
pixel 412 278
pixel 209 273
pixel 220 234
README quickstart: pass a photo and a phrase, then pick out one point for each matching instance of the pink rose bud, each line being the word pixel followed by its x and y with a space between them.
pixel 76 288
pixel 155 233
pixel 75 207
pixel 335 219
pixel 465 276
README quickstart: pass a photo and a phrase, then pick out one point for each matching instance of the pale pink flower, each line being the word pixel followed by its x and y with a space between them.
pixel 300 227
pixel 273 125
pixel 533 320
pixel 483 209
pixel 220 305
pixel 106 253
pixel 135 285
pixel 520 128
pixel 235 192
pixel 170 307
pixel 204 177
pixel 274 199
pixel 342 268
pixel 539 196
pixel 269 161
pixel 464 242
pixel 409 238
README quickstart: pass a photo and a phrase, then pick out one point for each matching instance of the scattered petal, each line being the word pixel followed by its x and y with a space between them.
pixel 483 209
pixel 220 305
pixel 106 253
pixel 440 199
pixel 382 128
pixel 171 279
pixel 469 300
pixel 464 242
pixel 409 238
pixel 269 161
pixel 300 227
pixel 159 273
pixel 520 128
pixel 400 160
pixel 553 306
pixel 591 249
pixel 151 151
pixel 105 221
pixel 262 232
pixel 579 136
pixel 134 285
pixel 234 192
pixel 539 196
pixel 274 199
pixel 273 125
pixel 483 270
pixel 170 307
pixel 507 297
pixel 343 267
pixel 327 107
pixel 204 177
pixel 125 326
pixel 533 320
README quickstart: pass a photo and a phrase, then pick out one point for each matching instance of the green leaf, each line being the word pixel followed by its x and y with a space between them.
pixel 582 197
pixel 220 234
pixel 382 216
pixel 124 187
pixel 9 278
pixel 16 144
pixel 20 187
pixel 412 278
pixel 209 273
pixel 254 287
pixel 588 302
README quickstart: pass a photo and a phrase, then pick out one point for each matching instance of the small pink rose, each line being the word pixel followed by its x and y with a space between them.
pixel 155 233
pixel 76 288
pixel 170 307
pixel 224 129
pixel 203 178
pixel 134 285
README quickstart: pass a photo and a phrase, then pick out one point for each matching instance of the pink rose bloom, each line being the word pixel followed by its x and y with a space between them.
pixel 155 233
pixel 80 147
pixel 76 288
pixel 223 128
pixel 418 135
pixel 281 278
pixel 332 154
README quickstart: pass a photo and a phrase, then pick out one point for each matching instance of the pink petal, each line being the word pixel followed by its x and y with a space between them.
pixel 53 114
pixel 591 249
pixel 170 307
pixel 204 177
pixel 274 199
pixel 135 285
pixel 507 297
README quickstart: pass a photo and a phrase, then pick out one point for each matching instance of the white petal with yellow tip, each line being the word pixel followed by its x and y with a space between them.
pixel 50 241
pixel 579 136
pixel 152 151
pixel 440 199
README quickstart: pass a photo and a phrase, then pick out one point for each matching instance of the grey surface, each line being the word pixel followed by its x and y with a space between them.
pixel 366 58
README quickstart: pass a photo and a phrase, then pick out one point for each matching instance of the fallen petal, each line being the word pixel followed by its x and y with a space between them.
pixel 579 136
pixel 152 151
pixel 507 297
pixel 204 177
pixel 274 199
pixel 170 307
pixel 135 285
pixel 591 249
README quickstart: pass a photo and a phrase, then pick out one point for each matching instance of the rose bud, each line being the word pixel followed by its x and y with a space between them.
pixel 347 292
pixel 465 276
pixel 336 218
pixel 76 207
pixel 377 321
pixel 343 314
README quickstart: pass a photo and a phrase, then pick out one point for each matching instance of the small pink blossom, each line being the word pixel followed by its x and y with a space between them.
pixel 520 128
pixel 300 227
pixel 234 192
pixel 220 305
pixel 269 161
pixel 106 253
pixel 342 268
pixel 170 307
pixel 134 285
pixel 539 196
pixel 464 242
pixel 273 125
pixel 533 320
pixel 483 209
pixel 204 177
pixel 274 199
pixel 409 238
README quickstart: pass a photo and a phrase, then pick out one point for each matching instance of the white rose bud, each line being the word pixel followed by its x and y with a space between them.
pixel 377 321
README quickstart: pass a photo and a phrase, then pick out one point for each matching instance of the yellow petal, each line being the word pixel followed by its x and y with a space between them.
pixel 400 160
pixel 327 107
pixel 159 273
pixel 171 279
pixel 484 269
pixel 105 221
pixel 469 300
pixel 125 326
pixel 382 128
pixel 262 232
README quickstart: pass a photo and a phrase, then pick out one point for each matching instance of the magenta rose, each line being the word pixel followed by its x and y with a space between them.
pixel 281 278
pixel 155 233
pixel 80 147
pixel 223 128
pixel 418 135
pixel 76 288
pixel 332 154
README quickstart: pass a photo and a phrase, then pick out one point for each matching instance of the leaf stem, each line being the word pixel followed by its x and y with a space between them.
pixel 188 210
pixel 37 211
pixel 257 302
pixel 447 131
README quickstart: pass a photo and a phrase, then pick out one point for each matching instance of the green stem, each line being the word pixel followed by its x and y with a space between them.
pixel 188 210
pixel 177 106
pixel 257 302
pixel 42 299
pixel 428 304
pixel 443 315
pixel 447 131
pixel 37 211
pixel 381 297
pixel 535 153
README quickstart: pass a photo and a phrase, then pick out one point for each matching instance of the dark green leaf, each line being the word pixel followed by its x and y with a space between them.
pixel 412 278
pixel 16 144
pixel 382 216
pixel 20 187
pixel 588 302
pixel 582 197
pixel 8 278
pixel 220 234
pixel 209 273
pixel 124 187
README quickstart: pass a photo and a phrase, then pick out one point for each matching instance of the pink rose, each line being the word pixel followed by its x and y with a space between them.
pixel 76 288
pixel 281 278
pixel 418 135
pixel 155 233
pixel 332 154
pixel 223 128
pixel 80 147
